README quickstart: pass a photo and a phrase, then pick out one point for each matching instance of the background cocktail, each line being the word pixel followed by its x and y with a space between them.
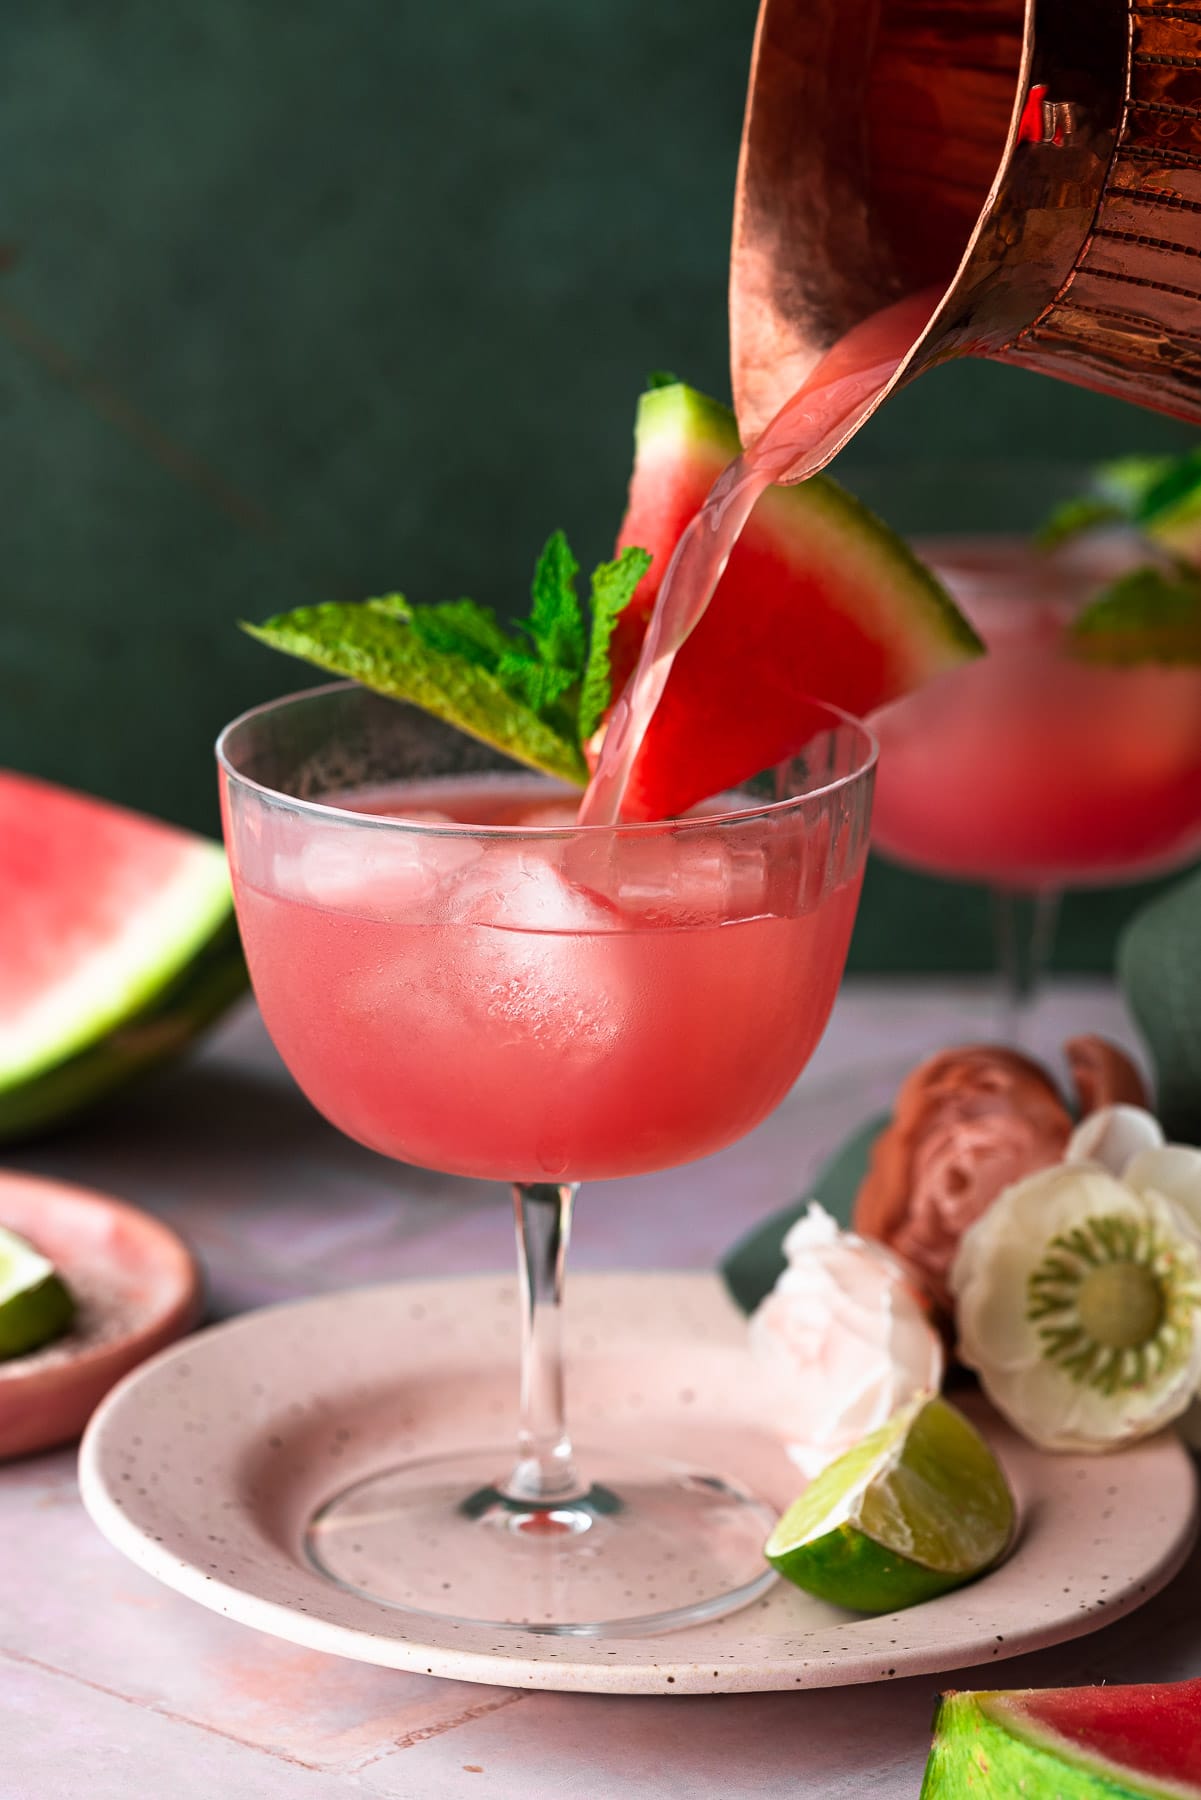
pixel 1033 769
pixel 459 976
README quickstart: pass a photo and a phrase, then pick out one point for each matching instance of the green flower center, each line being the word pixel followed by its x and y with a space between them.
pixel 1115 1301
pixel 1120 1305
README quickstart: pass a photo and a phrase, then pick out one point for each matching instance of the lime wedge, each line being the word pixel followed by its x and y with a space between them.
pixel 920 1506
pixel 35 1305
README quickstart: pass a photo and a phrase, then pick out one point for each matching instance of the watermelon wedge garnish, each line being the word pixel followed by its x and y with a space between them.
pixel 819 599
pixel 1092 1743
pixel 117 944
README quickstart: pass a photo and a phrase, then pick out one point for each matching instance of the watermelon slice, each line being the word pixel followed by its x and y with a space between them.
pixel 117 945
pixel 1075 1743
pixel 818 599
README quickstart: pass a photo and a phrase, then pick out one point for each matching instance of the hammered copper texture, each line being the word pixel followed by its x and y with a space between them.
pixel 1128 321
pixel 1039 161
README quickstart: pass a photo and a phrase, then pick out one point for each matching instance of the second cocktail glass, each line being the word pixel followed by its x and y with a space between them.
pixel 1035 770
pixel 460 977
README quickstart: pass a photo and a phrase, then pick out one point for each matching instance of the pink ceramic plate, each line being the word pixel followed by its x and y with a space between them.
pixel 136 1289
pixel 204 1466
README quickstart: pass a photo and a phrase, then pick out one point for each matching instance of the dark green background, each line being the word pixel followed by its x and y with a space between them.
pixel 308 300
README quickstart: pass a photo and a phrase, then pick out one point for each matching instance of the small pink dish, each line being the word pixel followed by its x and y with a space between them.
pixel 136 1287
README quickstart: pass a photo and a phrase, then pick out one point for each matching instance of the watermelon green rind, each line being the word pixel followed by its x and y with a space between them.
pixel 934 627
pixel 672 420
pixel 119 944
pixel 194 998
pixel 162 939
pixel 997 1743
pixel 974 1756
pixel 819 600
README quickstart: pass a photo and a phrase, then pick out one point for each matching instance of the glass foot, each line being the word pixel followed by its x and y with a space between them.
pixel 650 1547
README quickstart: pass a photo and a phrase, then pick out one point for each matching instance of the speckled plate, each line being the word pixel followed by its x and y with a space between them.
pixel 203 1466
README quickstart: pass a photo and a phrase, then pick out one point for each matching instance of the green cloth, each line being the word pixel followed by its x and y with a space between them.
pixel 313 303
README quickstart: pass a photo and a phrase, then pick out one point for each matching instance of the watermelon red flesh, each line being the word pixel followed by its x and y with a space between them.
pixel 1078 1743
pixel 1153 1730
pixel 818 599
pixel 102 909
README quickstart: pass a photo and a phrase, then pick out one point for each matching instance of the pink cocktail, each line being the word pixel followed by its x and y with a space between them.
pixel 598 1021
pixel 1033 769
pixel 460 976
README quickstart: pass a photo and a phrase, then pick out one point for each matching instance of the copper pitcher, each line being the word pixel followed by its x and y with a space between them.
pixel 1038 161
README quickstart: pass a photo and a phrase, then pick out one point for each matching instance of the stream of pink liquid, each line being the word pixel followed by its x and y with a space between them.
pixel 828 408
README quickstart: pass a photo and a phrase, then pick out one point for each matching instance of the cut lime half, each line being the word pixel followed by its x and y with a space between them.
pixel 920 1506
pixel 35 1304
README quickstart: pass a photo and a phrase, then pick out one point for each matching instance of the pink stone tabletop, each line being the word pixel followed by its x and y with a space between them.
pixel 116 1688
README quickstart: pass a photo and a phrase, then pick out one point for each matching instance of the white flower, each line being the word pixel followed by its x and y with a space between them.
pixel 1078 1293
pixel 841 1341
pixel 1112 1136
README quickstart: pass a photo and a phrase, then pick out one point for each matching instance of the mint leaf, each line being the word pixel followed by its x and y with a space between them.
pixel 1157 485
pixel 1074 517
pixel 383 644
pixel 1151 615
pixel 661 378
pixel 464 628
pixel 537 683
pixel 1128 480
pixel 1154 494
pixel 526 688
pixel 613 585
pixel 556 622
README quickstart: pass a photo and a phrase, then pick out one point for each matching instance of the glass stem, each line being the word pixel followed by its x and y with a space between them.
pixel 1025 930
pixel 545 1473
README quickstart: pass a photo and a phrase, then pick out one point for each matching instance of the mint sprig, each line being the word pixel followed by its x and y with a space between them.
pixel 1156 495
pixel 536 690
pixel 1074 517
pixel 544 665
pixel 1151 615
pixel 613 585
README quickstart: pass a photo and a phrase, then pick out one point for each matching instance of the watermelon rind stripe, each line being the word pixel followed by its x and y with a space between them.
pixel 159 940
pixel 984 1746
pixel 674 421
pixel 683 415
pixel 1107 1777
pixel 148 1038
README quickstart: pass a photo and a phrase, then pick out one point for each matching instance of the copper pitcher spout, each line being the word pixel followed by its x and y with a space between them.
pixel 1039 161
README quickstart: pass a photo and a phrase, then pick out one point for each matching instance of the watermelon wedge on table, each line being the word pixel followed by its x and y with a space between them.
pixel 819 599
pixel 117 944
pixel 1092 1743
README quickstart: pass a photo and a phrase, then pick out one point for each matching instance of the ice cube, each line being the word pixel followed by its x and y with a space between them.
pixel 539 956
pixel 556 815
pixel 685 878
pixel 383 872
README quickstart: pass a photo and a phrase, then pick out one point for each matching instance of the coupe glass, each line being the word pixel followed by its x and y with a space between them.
pixel 1031 769
pixel 539 1003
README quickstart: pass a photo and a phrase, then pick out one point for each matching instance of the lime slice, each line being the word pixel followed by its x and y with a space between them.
pixel 918 1507
pixel 35 1305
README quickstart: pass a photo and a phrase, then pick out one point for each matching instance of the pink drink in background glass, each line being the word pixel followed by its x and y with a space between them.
pixel 510 1010
pixel 1032 769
